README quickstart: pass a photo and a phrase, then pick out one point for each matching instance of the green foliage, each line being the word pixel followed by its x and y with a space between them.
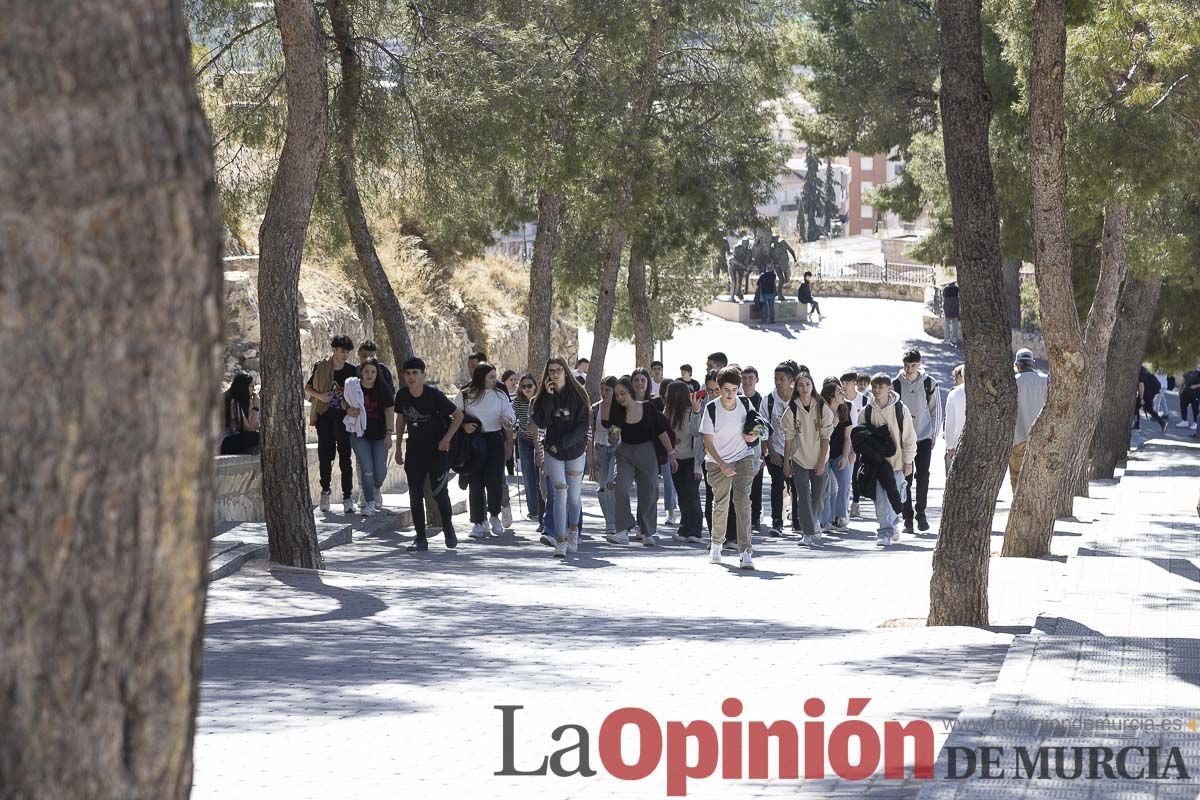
pixel 1031 320
pixel 810 196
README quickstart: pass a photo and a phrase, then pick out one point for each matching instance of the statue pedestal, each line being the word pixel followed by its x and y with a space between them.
pixel 745 311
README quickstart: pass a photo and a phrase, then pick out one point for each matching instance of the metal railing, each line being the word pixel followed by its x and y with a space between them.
pixel 905 274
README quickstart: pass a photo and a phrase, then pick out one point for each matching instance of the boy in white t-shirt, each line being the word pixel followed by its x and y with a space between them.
pixel 730 462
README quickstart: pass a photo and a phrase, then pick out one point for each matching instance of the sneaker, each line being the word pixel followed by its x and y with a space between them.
pixel 922 522
pixel 773 532
pixel 451 540
pixel 572 541
pixel 818 538
pixel 348 505
pixel 672 517
pixel 895 536
pixel 758 528
pixel 650 541
pixel 541 526
pixel 1183 423
pixel 807 541
pixel 885 540
pixel 694 539
pixel 420 545
pixel 560 550
pixel 506 516
pixel 1192 426
pixel 479 531
pixel 547 540
pixel 368 509
pixel 854 512
pixel 675 537
pixel 326 495
pixel 497 526
pixel 827 527
pixel 841 524
pixel 635 534
pixel 908 526
pixel 379 509
pixel 621 537
pixel 747 561
pixel 714 554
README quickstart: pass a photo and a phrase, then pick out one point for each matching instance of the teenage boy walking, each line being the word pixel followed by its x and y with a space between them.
pixel 750 390
pixel 730 463
pixel 327 413
pixel 919 392
pixel 886 410
pixel 774 406
pixel 431 420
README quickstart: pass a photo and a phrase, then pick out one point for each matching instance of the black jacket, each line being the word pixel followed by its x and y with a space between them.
pixel 467 450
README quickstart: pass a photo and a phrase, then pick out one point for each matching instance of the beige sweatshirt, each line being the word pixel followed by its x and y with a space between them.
pixel 808 428
pixel 906 445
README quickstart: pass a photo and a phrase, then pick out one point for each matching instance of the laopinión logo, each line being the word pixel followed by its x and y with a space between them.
pixel 742 749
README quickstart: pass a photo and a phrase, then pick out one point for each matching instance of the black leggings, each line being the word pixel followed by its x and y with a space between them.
pixel 418 467
pixel 488 480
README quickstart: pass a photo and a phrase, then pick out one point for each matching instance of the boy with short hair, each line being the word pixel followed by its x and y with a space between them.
pixel 730 462
pixel 685 375
pixel 887 411
pixel 327 414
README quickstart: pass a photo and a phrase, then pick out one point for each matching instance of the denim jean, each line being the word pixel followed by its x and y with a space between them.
pixel 767 308
pixel 566 477
pixel 529 476
pixel 670 498
pixel 606 477
pixel 372 457
pixel 546 517
pixel 837 491
pixel 884 515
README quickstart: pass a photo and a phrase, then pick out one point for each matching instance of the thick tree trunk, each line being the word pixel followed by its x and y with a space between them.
pixel 1059 437
pixel 1011 284
pixel 540 306
pixel 629 156
pixel 110 264
pixel 639 305
pixel 1135 313
pixel 958 590
pixel 291 531
pixel 387 305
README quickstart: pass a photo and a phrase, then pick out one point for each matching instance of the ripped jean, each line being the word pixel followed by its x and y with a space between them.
pixel 566 477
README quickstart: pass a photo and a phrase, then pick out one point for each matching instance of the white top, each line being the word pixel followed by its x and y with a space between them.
pixel 490 409
pixel 599 432
pixel 727 433
pixel 956 415
pixel 857 405
pixel 1031 396
pixel 654 386
pixel 352 393
pixel 773 412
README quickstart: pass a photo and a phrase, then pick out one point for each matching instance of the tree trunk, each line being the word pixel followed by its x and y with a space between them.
pixel 110 265
pixel 1135 313
pixel 540 307
pixel 387 305
pixel 1011 284
pixel 639 305
pixel 291 531
pixel 958 590
pixel 629 156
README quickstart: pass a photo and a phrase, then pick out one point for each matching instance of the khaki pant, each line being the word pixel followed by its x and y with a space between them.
pixel 735 489
pixel 1015 459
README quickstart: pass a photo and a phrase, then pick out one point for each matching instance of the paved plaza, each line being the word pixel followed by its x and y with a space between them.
pixel 380 676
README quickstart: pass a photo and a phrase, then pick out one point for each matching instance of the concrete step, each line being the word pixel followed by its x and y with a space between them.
pixel 242 542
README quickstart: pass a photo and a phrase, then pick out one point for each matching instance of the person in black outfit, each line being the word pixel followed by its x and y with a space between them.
pixel 431 420
pixel 241 436
pixel 1148 389
pixel 324 390
pixel 367 350
pixel 805 295
pixel 750 389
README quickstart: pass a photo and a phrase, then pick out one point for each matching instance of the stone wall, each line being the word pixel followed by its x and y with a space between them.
pixel 876 289
pixel 239 489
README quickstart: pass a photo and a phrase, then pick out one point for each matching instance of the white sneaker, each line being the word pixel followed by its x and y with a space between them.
pixel 497 526
pixel 650 541
pixel 479 531
pixel 368 509
pixel 747 561
pixel 621 537
pixel 854 512
pixel 841 524
pixel 714 554
pixel 325 496
pixel 884 540
pixel 572 541
pixel 672 517
pixel 807 540
pixel 1183 423
pixel 506 516
pixel 826 528
pixel 560 550
pixel 547 540
pixel 348 505
pixel 1193 426
pixel 379 509
pixel 895 536
pixel 818 538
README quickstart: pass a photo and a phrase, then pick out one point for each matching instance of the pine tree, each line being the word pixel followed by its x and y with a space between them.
pixel 811 196
pixel 830 198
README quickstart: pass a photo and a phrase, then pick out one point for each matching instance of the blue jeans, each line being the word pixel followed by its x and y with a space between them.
pixel 546 517
pixel 837 491
pixel 566 478
pixel 670 497
pixel 884 515
pixel 767 308
pixel 606 477
pixel 529 476
pixel 372 457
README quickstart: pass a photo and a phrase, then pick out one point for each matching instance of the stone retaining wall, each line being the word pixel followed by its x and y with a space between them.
pixel 876 289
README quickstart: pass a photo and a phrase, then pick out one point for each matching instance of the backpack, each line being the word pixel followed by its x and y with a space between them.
pixel 752 416
pixel 930 387
pixel 1153 386
pixel 899 416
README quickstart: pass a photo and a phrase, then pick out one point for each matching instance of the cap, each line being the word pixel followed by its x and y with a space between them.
pixel 1024 356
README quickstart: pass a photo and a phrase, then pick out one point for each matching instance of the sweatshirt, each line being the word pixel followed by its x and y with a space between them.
pixel 906 443
pixel 926 408
pixel 808 428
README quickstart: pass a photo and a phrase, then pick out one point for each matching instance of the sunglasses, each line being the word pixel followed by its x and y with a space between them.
pixel 526 385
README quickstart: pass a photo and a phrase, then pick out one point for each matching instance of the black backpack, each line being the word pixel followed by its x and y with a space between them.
pixel 1153 386
pixel 899 417
pixel 930 387
pixel 752 416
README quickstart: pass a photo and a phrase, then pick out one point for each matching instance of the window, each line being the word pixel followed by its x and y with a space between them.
pixel 899 169
pixel 868 213
pixel 864 187
pixel 866 162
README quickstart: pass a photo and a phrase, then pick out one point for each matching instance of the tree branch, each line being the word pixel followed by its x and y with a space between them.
pixel 225 47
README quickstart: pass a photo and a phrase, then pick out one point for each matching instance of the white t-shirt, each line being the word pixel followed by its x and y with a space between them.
pixel 490 409
pixel 727 433
pixel 856 406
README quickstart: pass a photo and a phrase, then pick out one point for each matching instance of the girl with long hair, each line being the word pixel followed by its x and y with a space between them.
pixel 638 424
pixel 807 426
pixel 483 399
pixel 683 408
pixel 239 434
pixel 526 446
pixel 602 456
pixel 836 511
pixel 643 383
pixel 561 409
pixel 369 403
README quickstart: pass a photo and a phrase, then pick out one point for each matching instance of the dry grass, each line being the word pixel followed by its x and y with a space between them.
pixel 492 282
